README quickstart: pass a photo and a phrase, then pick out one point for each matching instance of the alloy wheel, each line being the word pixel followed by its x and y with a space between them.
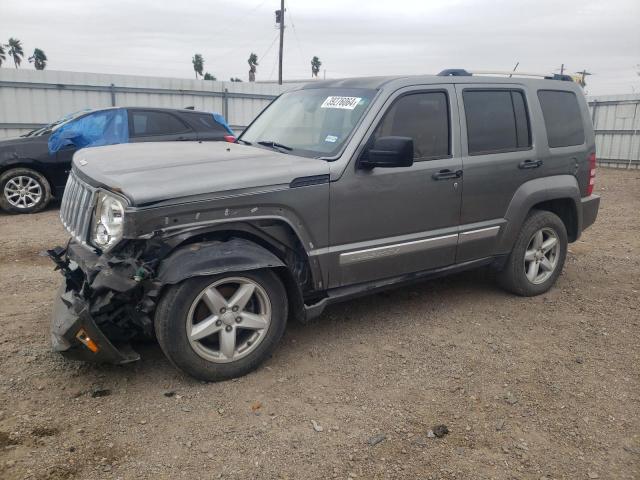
pixel 541 255
pixel 23 192
pixel 228 319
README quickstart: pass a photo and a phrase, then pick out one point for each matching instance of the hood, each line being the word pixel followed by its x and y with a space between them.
pixel 152 172
pixel 23 147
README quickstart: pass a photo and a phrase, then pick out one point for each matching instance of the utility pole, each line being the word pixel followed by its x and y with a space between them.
pixel 562 69
pixel 281 41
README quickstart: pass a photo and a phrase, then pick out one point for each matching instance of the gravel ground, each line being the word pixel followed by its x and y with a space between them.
pixel 538 388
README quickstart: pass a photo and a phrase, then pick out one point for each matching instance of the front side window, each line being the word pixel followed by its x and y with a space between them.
pixel 312 122
pixel 424 117
pixel 147 123
pixel 562 118
pixel 497 121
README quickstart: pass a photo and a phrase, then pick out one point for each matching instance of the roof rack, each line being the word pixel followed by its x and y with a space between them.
pixel 461 72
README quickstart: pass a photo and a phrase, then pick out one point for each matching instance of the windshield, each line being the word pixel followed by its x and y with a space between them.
pixel 312 122
pixel 54 125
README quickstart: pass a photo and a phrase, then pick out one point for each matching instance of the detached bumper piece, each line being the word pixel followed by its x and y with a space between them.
pixel 102 305
pixel 75 335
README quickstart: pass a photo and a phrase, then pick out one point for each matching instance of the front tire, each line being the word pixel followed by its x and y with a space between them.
pixel 537 258
pixel 222 326
pixel 23 190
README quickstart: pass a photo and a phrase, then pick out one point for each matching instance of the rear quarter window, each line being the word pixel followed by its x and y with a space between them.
pixel 562 118
pixel 148 123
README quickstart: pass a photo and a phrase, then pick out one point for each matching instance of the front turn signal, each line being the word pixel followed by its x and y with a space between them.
pixel 86 341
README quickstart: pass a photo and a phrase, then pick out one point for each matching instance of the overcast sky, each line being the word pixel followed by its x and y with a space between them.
pixel 352 38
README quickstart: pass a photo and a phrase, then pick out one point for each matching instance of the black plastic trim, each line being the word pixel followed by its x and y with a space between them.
pixel 308 181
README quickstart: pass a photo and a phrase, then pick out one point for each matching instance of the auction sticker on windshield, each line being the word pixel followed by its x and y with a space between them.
pixel 347 103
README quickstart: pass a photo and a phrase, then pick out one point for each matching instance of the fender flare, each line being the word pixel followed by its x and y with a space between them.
pixel 531 193
pixel 214 257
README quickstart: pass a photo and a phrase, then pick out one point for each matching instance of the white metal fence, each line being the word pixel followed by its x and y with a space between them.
pixel 616 121
pixel 30 98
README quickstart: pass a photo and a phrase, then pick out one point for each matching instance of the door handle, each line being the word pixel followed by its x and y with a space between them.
pixel 530 164
pixel 447 174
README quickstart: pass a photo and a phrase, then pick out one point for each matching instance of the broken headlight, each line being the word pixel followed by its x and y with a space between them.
pixel 108 219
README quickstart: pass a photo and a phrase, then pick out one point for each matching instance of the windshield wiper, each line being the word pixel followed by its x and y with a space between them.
pixel 272 144
pixel 244 141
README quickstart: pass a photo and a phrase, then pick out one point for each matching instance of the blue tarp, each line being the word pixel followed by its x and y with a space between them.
pixel 220 119
pixel 106 127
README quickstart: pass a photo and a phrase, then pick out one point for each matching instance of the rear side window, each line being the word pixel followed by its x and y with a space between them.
pixel 562 118
pixel 146 123
pixel 497 121
pixel 423 117
pixel 205 121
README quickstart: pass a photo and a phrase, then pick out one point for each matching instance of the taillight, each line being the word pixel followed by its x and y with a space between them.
pixel 230 138
pixel 592 173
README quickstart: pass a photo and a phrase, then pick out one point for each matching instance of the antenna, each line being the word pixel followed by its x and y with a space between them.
pixel 515 68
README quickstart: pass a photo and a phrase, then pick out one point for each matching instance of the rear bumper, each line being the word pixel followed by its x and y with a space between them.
pixel 590 206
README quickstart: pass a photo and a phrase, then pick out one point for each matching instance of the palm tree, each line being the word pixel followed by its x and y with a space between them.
pixel 39 59
pixel 2 55
pixel 253 63
pixel 15 51
pixel 315 66
pixel 198 64
pixel 208 76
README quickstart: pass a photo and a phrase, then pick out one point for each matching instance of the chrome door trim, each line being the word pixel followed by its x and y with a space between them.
pixel 479 234
pixel 397 249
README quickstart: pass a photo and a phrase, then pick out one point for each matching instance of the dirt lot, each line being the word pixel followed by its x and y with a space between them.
pixel 547 387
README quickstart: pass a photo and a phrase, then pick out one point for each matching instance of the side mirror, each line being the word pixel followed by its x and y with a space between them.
pixel 389 152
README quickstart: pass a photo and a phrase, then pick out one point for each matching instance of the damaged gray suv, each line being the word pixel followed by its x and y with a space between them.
pixel 337 189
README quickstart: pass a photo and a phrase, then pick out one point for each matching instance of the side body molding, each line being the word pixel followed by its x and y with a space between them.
pixel 210 258
pixel 532 193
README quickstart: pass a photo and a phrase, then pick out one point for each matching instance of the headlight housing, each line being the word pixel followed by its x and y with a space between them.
pixel 108 220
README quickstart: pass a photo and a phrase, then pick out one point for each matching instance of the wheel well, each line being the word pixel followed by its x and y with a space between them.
pixel 280 239
pixel 564 208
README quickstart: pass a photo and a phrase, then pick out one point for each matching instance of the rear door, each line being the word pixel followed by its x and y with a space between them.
pixel 498 155
pixel 158 126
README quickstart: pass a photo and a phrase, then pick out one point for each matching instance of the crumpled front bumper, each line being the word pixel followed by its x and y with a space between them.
pixel 75 331
pixel 72 322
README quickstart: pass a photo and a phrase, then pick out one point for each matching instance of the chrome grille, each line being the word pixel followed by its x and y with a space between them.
pixel 76 208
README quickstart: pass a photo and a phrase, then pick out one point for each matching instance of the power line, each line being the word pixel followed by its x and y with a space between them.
pixel 232 21
pixel 270 46
pixel 275 64
pixel 295 34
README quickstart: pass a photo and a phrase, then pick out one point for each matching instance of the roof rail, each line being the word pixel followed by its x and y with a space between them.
pixel 460 72
pixel 454 72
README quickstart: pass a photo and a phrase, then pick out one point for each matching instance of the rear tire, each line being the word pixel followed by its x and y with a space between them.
pixel 537 257
pixel 23 190
pixel 222 326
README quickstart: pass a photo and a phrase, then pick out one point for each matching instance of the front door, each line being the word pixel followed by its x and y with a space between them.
pixel 387 222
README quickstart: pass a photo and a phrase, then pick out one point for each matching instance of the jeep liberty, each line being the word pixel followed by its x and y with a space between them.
pixel 337 189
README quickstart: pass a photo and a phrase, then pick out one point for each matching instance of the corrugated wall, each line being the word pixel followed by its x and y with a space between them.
pixel 29 98
pixel 616 121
